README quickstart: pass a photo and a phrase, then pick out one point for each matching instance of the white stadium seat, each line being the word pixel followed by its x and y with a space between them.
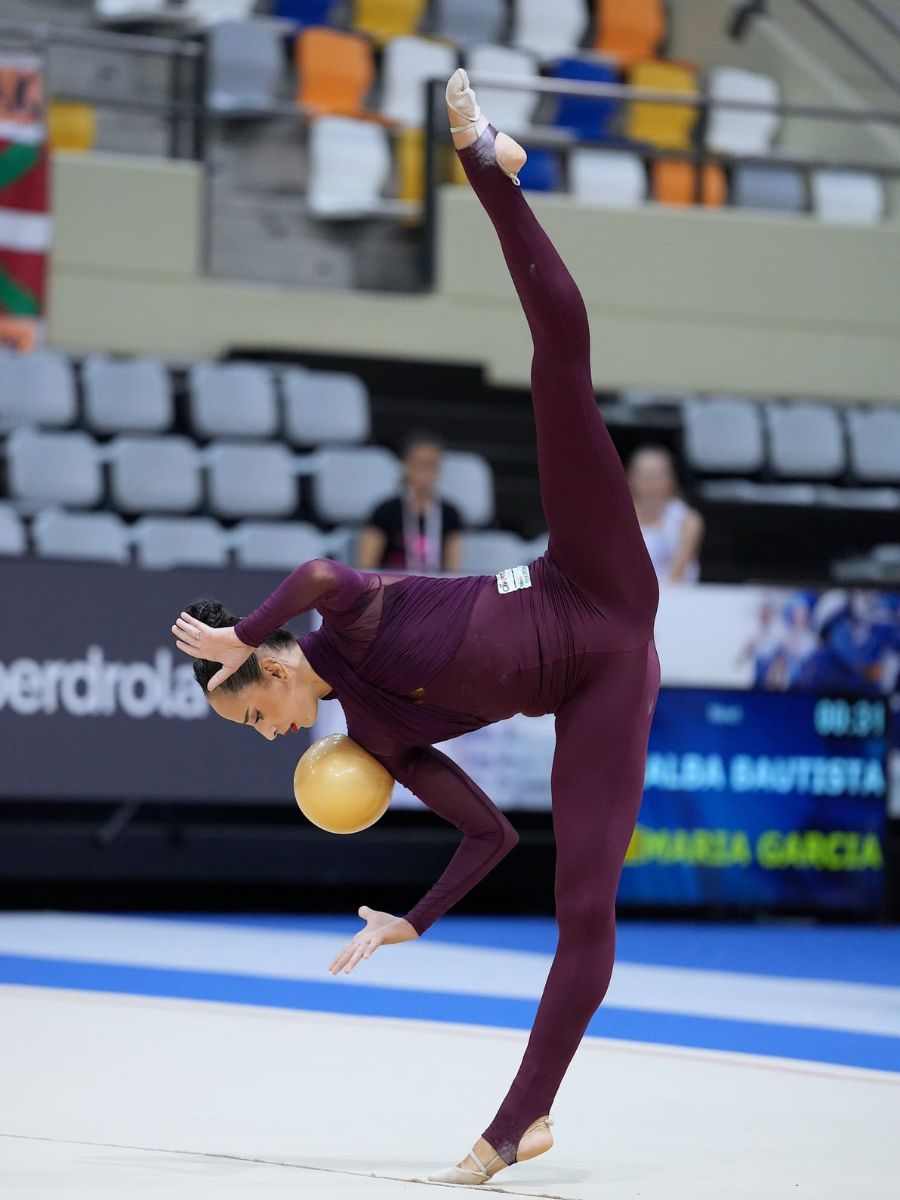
pixel 325 406
pixel 731 130
pixel 233 400
pixel 349 165
pixel 245 64
pixel 12 532
pixel 247 480
pixel 851 197
pixel 36 389
pixel 132 395
pixel 180 542
pixel 609 178
pixel 407 65
pixel 350 482
pixel 276 545
pixel 54 468
pixel 724 434
pixel 510 111
pixel 488 551
pixel 549 28
pixel 97 536
pixel 875 444
pixel 154 474
pixel 806 441
pixel 467 481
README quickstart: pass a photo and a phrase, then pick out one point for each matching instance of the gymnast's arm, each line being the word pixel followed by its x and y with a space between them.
pixel 487 835
pixel 320 583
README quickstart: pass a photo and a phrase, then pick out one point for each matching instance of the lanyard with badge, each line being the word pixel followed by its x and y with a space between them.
pixel 422 547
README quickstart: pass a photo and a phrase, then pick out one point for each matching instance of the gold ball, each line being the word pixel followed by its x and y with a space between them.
pixel 340 787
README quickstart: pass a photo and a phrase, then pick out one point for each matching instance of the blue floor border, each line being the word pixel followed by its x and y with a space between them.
pixel 805 1043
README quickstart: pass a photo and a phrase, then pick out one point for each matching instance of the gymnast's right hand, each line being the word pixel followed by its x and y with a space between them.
pixel 215 645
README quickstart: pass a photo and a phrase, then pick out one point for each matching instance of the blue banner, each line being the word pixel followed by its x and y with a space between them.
pixel 762 799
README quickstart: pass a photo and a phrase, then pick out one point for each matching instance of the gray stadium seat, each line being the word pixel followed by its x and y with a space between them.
pixel 342 543
pixel 881 499
pixel 36 389
pixel 723 435
pixel 246 480
pixel 875 444
pixel 180 542
pixel 775 189
pixel 350 481
pixel 97 536
pixel 245 64
pixel 155 474
pixel 537 546
pixel 469 21
pixel 276 545
pixel 325 406
pixel 486 552
pixel 806 441
pixel 12 532
pixel 233 400
pixel 349 164
pixel 54 468
pixel 744 491
pixel 467 481
pixel 126 395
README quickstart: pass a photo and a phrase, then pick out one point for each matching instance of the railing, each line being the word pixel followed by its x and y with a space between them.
pixel 181 108
pixel 551 138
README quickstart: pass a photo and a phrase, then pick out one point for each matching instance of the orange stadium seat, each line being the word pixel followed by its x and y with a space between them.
pixel 335 71
pixel 666 125
pixel 71 125
pixel 674 181
pixel 386 19
pixel 630 30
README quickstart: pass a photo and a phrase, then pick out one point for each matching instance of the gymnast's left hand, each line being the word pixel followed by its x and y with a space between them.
pixel 382 929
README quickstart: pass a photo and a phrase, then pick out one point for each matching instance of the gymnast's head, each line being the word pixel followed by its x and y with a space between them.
pixel 274 692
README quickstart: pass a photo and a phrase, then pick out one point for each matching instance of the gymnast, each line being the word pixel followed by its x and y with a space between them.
pixel 416 660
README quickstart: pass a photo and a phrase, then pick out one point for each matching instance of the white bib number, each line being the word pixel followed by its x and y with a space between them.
pixel 512 579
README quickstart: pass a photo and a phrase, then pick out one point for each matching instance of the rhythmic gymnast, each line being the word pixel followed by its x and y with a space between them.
pixel 415 660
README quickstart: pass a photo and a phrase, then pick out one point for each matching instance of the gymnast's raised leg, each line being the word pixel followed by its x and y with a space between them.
pixel 602 732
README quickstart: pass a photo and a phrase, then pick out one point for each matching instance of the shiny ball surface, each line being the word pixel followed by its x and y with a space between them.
pixel 340 787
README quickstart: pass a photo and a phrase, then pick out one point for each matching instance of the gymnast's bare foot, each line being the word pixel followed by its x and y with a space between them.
pixel 468 123
pixel 484 1162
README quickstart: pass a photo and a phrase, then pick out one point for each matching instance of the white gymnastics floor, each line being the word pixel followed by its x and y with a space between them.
pixel 176 1058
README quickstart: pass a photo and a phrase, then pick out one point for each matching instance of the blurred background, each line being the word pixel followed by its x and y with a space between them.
pixel 250 315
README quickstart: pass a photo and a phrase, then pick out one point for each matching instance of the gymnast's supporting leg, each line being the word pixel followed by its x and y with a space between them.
pixel 595 537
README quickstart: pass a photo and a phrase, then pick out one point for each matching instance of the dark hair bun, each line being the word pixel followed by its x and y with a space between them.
pixel 212 613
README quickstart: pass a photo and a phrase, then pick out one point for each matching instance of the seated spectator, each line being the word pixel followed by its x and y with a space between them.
pixel 417 530
pixel 672 531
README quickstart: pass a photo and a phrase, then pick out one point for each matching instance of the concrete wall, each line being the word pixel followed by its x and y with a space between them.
pixel 677 298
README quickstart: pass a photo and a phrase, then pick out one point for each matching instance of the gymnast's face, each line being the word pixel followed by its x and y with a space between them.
pixel 284 700
pixel 651 477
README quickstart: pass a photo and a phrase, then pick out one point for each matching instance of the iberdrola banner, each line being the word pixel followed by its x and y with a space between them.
pixel 25 221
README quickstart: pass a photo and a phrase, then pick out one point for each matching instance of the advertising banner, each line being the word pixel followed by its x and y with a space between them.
pixel 97 702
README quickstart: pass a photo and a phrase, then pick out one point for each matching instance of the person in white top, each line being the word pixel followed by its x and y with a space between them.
pixel 673 532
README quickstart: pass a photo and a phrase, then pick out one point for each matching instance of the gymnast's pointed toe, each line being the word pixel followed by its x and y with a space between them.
pixel 461 102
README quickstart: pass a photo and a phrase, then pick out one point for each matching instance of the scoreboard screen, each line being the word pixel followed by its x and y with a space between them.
pixel 762 799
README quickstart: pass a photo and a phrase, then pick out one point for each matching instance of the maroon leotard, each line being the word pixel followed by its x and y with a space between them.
pixel 414 661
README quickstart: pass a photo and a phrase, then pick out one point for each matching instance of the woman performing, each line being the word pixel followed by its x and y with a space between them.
pixel 416 660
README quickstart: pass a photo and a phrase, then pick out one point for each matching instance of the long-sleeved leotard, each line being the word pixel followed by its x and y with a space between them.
pixel 578 643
